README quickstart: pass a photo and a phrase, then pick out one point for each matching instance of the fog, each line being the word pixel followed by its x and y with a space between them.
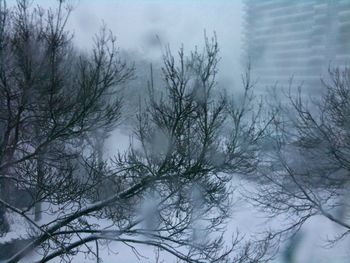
pixel 148 26
pixel 144 29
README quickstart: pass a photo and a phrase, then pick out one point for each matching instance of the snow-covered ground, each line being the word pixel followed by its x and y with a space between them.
pixel 311 249
pixel 245 218
pixel 313 245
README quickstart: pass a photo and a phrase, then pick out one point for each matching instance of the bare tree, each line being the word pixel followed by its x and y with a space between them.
pixel 170 190
pixel 52 100
pixel 308 172
pixel 185 152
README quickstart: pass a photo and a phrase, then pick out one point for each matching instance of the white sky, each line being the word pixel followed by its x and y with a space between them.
pixel 137 23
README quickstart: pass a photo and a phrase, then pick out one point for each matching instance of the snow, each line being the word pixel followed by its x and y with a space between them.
pixel 245 218
pixel 18 228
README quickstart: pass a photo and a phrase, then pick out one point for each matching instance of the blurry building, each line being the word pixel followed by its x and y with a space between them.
pixel 285 38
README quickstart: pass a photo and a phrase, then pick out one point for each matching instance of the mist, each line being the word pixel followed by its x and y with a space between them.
pixel 209 131
pixel 148 26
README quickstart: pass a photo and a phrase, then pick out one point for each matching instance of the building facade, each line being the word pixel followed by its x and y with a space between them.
pixel 296 38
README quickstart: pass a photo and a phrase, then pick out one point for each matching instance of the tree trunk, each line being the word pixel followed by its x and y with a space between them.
pixel 38 190
pixel 7 188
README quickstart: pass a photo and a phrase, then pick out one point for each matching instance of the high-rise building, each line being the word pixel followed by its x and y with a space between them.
pixel 296 38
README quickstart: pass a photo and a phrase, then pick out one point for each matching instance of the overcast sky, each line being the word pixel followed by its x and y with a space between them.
pixel 138 24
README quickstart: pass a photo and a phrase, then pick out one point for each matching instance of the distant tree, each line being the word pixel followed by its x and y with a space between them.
pixel 135 90
pixel 308 171
pixel 170 190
